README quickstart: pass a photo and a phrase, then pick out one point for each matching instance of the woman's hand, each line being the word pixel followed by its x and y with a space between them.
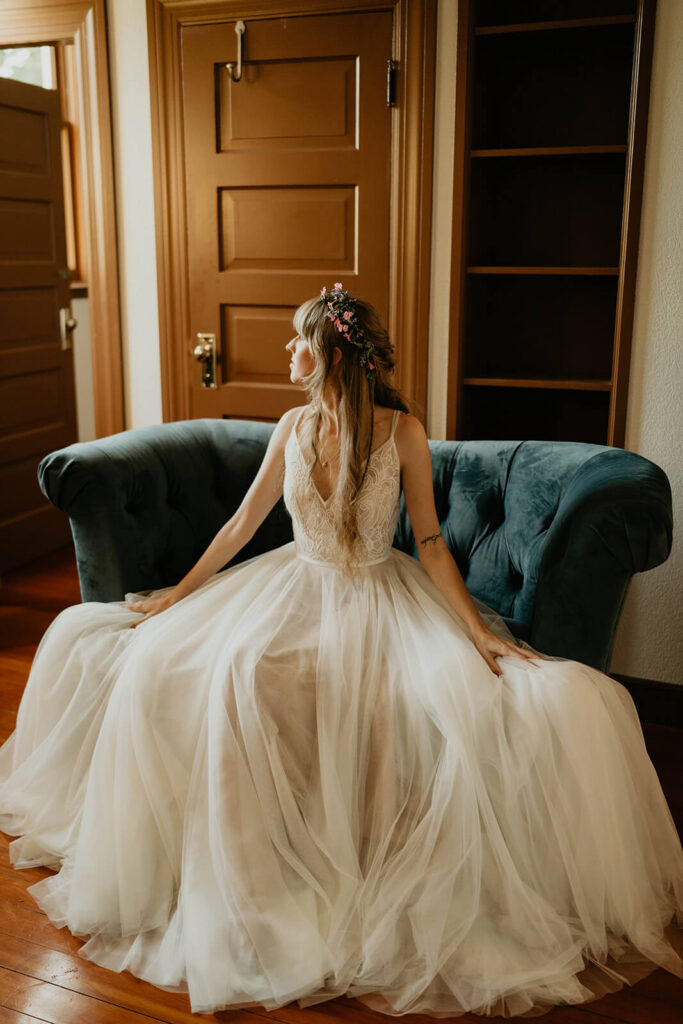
pixel 149 606
pixel 491 646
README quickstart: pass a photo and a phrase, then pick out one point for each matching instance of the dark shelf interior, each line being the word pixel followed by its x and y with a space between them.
pixel 510 414
pixel 553 88
pixel 547 211
pixel 549 125
pixel 541 327
pixel 502 12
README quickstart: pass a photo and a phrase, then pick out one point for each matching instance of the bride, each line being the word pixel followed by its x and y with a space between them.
pixel 329 770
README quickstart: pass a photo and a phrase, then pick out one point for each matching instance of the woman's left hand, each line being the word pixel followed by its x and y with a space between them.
pixel 491 646
pixel 148 607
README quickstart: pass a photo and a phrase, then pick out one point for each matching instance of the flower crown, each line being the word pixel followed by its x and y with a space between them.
pixel 341 310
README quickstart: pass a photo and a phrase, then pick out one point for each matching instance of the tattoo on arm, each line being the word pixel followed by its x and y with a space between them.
pixel 432 538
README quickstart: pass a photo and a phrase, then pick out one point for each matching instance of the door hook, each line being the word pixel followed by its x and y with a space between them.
pixel 240 29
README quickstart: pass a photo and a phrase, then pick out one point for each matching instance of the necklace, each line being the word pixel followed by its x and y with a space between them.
pixel 324 461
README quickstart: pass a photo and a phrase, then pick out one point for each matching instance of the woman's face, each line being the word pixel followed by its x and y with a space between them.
pixel 302 362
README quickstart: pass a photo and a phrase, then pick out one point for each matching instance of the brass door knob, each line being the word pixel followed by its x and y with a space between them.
pixel 67 325
pixel 205 353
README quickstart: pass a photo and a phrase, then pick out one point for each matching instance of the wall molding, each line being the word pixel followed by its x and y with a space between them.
pixel 656 702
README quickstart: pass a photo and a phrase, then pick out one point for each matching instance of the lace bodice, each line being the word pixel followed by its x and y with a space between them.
pixel 378 504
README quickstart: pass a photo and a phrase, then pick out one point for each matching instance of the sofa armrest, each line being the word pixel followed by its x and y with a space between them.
pixel 614 519
pixel 144 504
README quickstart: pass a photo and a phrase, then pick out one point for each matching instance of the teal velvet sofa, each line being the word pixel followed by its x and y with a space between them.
pixel 547 533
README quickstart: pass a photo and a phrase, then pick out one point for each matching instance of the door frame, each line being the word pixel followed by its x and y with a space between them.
pixel 414 50
pixel 83 23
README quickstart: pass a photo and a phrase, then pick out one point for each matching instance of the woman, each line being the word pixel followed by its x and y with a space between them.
pixel 328 770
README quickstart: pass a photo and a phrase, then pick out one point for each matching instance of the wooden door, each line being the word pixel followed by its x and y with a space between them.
pixel 37 405
pixel 287 182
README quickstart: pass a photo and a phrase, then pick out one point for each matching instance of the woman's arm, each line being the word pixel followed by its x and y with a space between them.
pixel 418 487
pixel 265 490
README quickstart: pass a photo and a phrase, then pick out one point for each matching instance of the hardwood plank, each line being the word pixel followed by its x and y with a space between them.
pixel 49 582
pixel 82 978
pixel 35 926
pixel 13 890
pixel 20 624
pixel 58 1005
pixel 29 875
pixel 12 1017
pixel 657 999
pixel 354 1012
pixel 8 721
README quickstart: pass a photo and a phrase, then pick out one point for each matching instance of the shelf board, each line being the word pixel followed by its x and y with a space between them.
pixel 544 26
pixel 516 382
pixel 548 151
pixel 584 271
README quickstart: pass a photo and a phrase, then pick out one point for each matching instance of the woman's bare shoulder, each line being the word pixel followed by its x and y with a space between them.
pixel 411 441
pixel 284 425
pixel 410 428
pixel 291 414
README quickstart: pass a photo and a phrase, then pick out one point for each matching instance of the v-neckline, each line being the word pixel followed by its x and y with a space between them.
pixel 326 501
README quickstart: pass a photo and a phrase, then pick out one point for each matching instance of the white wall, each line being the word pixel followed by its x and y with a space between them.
pixel 132 134
pixel 85 403
pixel 649 641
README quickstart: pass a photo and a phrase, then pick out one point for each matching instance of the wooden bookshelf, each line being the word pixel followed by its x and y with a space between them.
pixel 551 122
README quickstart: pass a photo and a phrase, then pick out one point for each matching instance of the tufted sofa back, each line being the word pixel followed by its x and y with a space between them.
pixel 548 534
pixel 498 505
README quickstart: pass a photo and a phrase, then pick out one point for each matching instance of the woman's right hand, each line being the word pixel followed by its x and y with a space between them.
pixel 149 606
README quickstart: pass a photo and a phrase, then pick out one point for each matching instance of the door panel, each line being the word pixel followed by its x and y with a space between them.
pixel 37 405
pixel 287 177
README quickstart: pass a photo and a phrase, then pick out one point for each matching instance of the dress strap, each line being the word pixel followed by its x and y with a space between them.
pixel 394 421
pixel 297 421
pixel 293 437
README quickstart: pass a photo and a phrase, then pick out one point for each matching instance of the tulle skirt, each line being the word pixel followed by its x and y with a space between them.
pixel 293 786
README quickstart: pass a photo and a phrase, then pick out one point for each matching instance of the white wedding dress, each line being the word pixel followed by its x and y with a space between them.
pixel 293 785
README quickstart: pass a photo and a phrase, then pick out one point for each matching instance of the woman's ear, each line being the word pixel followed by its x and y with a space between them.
pixel 336 355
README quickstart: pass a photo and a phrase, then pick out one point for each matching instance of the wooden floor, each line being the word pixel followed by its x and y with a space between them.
pixel 41 976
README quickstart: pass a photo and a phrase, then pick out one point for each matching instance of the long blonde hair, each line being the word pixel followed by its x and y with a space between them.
pixel 357 399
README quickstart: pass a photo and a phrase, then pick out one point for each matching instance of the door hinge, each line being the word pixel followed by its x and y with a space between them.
pixel 391 83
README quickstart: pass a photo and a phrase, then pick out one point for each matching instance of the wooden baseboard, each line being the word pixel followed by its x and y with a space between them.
pixel 656 702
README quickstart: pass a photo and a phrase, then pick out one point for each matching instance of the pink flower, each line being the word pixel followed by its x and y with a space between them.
pixel 323 290
pixel 348 314
pixel 339 326
pixel 346 328
pixel 371 366
pixel 338 285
